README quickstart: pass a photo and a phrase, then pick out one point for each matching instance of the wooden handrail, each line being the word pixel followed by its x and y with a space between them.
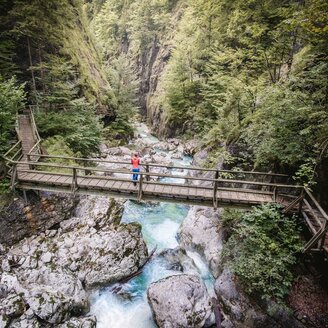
pixel 192 168
pixel 320 209
pixel 32 149
pixel 5 156
pixel 255 183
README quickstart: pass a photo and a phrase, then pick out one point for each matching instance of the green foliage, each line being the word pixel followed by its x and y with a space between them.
pixel 251 73
pixel 12 98
pixel 79 127
pixel 50 43
pixel 57 146
pixel 4 188
pixel 261 250
pixel 306 173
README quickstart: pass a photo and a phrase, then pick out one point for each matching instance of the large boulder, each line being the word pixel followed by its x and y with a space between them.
pixel 202 231
pixel 48 273
pixel 177 259
pixel 190 148
pixel 53 296
pixel 180 301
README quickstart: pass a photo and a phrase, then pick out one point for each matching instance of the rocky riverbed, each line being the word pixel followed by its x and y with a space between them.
pixel 74 262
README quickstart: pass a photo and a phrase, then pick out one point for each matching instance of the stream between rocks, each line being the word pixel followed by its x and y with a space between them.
pixel 68 262
pixel 125 305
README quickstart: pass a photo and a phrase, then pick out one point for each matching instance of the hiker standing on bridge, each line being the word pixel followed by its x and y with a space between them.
pixel 135 161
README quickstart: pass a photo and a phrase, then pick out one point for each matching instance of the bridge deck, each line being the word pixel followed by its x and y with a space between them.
pixel 150 189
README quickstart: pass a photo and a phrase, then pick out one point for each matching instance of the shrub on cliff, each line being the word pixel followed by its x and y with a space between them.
pixel 262 250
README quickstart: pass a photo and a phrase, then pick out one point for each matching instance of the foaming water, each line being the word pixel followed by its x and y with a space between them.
pixel 125 305
pixel 160 221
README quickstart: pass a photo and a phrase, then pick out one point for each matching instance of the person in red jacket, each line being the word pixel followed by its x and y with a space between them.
pixel 135 161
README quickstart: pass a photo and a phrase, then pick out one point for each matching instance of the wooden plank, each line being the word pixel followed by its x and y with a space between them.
pixel 109 184
pixel 47 177
pixel 130 187
pixel 176 191
pixel 93 182
pixel 116 184
pixel 53 178
pixel 150 188
pixel 158 188
pixel 101 183
pixel 168 190
pixel 125 186
pixel 183 191
pixel 62 180
pixel 31 176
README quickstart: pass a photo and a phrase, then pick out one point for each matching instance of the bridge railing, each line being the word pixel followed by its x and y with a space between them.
pixel 149 176
pixel 153 168
pixel 14 154
pixel 316 218
pixel 35 151
pixel 295 198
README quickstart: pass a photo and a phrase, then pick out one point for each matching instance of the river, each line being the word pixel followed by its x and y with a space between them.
pixel 125 305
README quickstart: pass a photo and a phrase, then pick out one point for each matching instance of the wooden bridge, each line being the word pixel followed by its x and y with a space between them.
pixel 29 169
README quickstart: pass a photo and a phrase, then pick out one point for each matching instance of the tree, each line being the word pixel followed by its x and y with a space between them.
pixel 12 98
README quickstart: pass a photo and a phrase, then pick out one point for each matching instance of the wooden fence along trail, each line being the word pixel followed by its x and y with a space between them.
pixel 29 169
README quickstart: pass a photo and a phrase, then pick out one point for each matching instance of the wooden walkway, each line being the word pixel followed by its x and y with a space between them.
pixel 147 190
pixel 29 169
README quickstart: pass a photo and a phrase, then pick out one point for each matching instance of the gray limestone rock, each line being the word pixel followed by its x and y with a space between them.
pixel 84 322
pixel 180 301
pixel 48 272
pixel 178 260
pixel 202 231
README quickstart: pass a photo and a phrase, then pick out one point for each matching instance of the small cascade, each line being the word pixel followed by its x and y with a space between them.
pixel 125 305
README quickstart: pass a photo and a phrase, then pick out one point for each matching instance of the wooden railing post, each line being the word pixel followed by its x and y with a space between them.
pixel 275 194
pixel 30 166
pixel 140 187
pixel 74 181
pixel 215 188
pixel 147 171
pixel 14 177
pixel 300 205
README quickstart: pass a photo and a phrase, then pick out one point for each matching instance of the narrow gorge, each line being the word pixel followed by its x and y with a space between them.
pixel 215 96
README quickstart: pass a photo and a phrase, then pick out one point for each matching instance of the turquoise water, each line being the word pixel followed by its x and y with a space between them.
pixel 129 307
pixel 125 305
pixel 160 222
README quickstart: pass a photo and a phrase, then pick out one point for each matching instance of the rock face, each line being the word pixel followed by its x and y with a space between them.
pixel 180 301
pixel 202 231
pixel 241 312
pixel 19 221
pixel 47 274
pixel 178 260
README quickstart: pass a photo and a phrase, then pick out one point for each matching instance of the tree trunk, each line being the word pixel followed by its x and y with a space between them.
pixel 31 68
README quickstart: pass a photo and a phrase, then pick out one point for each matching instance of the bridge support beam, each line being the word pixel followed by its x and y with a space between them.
pixel 25 197
pixel 140 188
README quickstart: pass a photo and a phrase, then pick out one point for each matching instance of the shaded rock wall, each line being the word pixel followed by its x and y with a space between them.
pixel 18 220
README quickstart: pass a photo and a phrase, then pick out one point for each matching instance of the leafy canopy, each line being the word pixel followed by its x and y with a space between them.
pixel 261 250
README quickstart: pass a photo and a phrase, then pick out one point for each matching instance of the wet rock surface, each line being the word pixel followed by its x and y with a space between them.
pixel 202 232
pixel 45 277
pixel 180 301
pixel 178 260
